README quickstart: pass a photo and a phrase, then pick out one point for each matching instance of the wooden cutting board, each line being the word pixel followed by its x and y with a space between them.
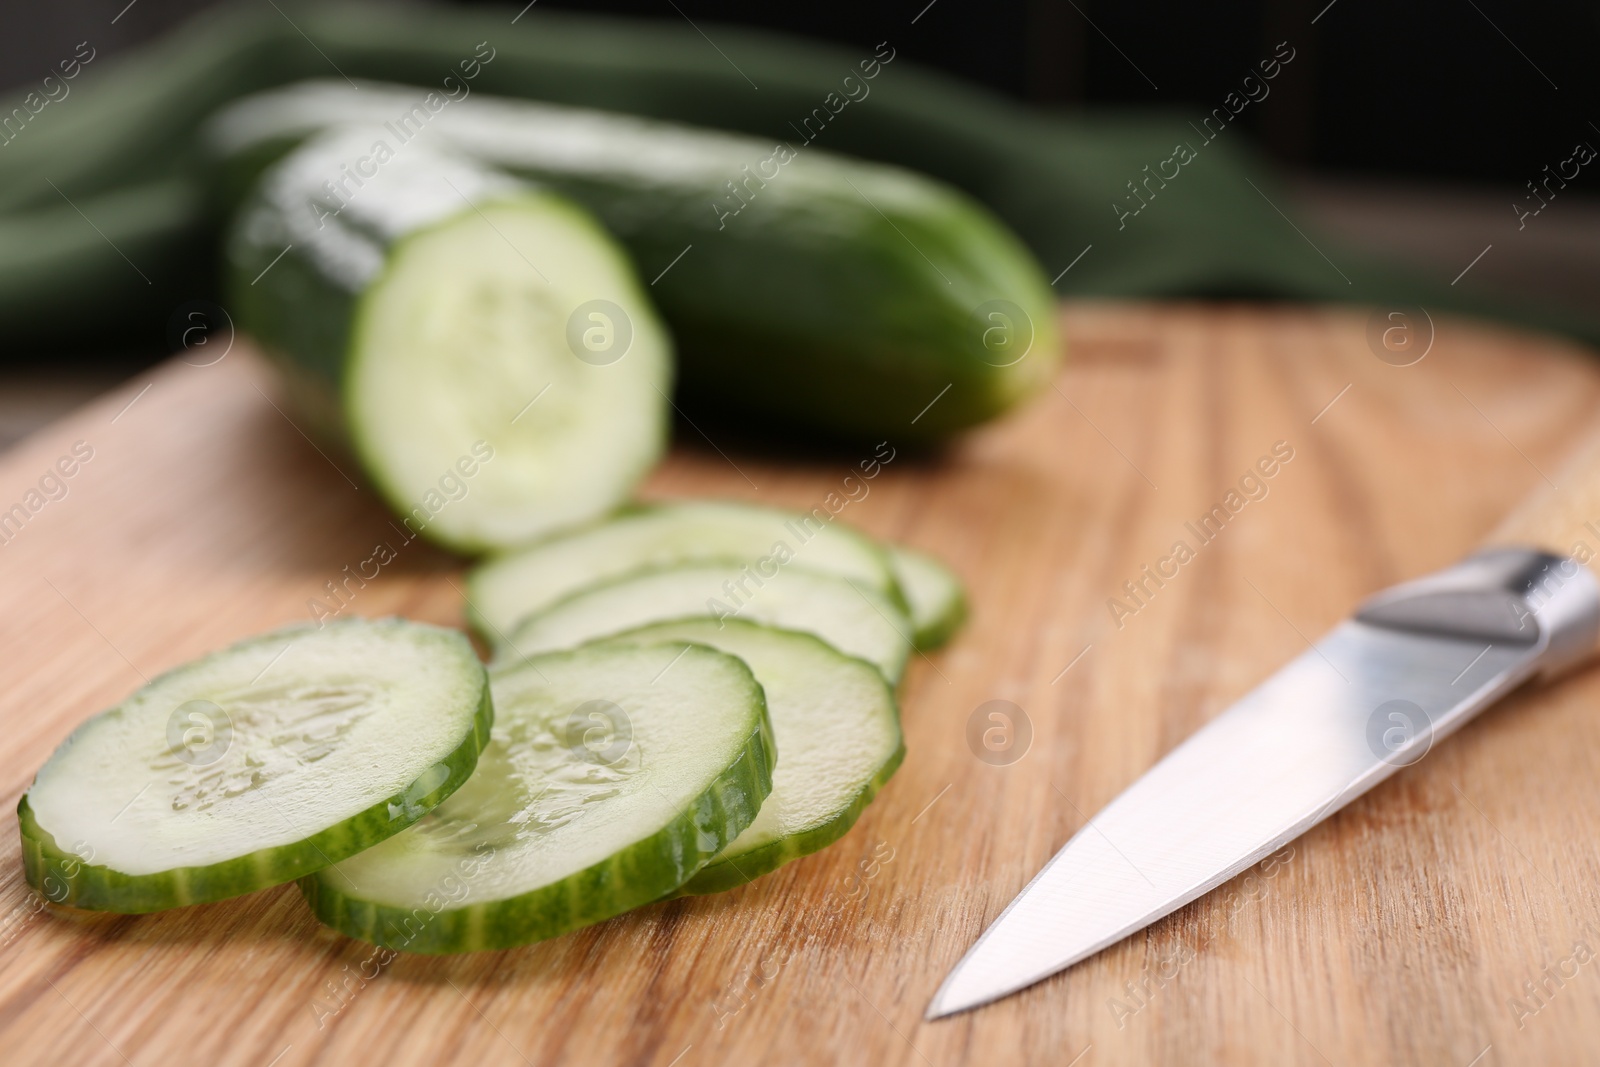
pixel 1403 930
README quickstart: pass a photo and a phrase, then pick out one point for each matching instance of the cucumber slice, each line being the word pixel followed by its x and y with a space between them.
pixel 938 603
pixel 484 347
pixel 857 621
pixel 836 724
pixel 612 775
pixel 256 765
pixel 504 591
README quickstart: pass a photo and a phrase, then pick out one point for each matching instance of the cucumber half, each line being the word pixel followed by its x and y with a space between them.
pixel 858 621
pixel 836 724
pixel 938 605
pixel 822 291
pixel 483 346
pixel 256 765
pixel 613 774
pixel 504 591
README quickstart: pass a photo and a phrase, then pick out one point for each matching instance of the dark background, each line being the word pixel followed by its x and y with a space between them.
pixel 1483 91
pixel 1407 130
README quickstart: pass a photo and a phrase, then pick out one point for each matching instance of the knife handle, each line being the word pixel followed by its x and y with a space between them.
pixel 1536 580
pixel 1562 518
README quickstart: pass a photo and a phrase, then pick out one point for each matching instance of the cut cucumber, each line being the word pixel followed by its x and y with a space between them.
pixel 836 725
pixel 504 591
pixel 483 347
pixel 256 765
pixel 938 603
pixel 858 299
pixel 858 621
pixel 613 774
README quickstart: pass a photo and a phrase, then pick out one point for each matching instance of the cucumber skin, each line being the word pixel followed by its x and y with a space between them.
pixel 857 334
pixel 99 888
pixel 300 320
pixel 640 874
pixel 934 632
pixel 944 628
pixel 857 338
pixel 717 877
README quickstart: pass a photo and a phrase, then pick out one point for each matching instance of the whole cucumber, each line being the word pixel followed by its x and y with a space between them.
pixel 855 298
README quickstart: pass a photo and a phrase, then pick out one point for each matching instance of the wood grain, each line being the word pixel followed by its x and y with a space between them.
pixel 1400 931
pixel 1562 513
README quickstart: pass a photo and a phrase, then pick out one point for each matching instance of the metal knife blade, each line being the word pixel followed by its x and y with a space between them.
pixel 1368 699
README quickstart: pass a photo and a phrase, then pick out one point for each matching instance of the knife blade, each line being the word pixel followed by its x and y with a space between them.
pixel 1369 698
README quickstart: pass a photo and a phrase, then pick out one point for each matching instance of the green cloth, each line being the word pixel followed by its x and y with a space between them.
pixel 106 228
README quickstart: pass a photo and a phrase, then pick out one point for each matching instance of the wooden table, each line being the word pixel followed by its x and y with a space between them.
pixel 1402 930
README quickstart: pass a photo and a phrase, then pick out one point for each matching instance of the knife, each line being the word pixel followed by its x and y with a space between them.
pixel 1411 665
